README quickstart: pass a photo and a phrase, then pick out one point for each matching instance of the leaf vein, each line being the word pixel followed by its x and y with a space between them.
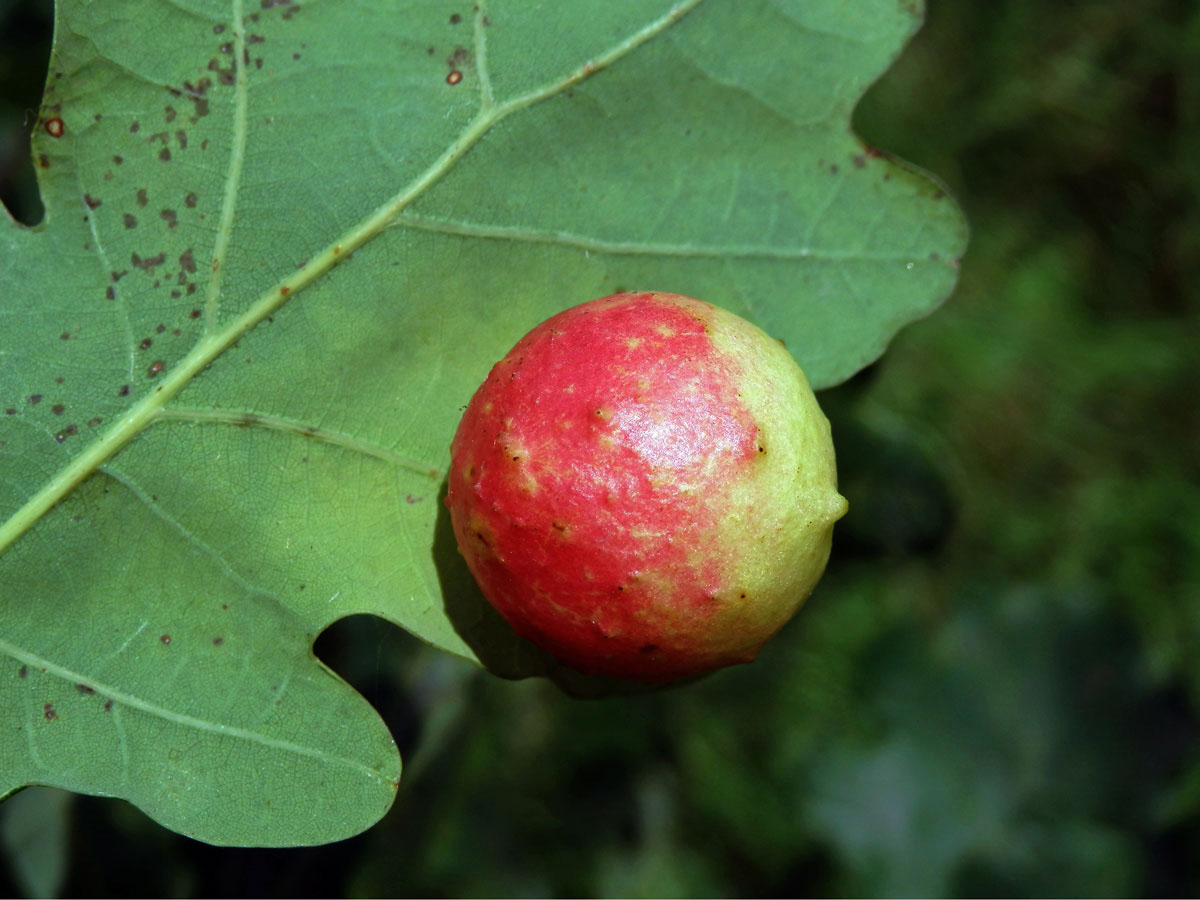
pixel 241 419
pixel 153 709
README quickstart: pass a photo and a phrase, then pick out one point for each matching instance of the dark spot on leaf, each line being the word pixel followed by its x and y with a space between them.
pixel 90 201
pixel 194 314
pixel 859 161
pixel 833 170
pixel 23 671
pixel 181 137
pixel 130 222
pixel 58 409
pixel 148 264
pixel 124 391
pixel 169 216
pixel 170 111
pixel 43 160
pixel 155 367
pixel 217 29
pixel 218 641
pixel 35 399
pixel 142 197
pixel 85 689
pixel 145 344
pixel 454 77
pixel 455 19
pixel 107 705
pixel 190 201
pixel 409 498
pixel 295 56
pixel 10 411
pixel 93 422
pixel 255 39
pixel 135 128
pixel 164 154
pixel 165 639
pixel 54 127
pixel 48 712
pixel 110 292
pixel 65 336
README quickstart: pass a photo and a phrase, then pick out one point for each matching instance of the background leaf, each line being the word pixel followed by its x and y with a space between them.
pixel 221 433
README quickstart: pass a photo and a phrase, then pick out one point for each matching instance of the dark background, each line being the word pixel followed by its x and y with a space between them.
pixel 995 688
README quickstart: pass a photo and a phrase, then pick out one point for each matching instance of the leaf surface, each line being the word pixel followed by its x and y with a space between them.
pixel 283 243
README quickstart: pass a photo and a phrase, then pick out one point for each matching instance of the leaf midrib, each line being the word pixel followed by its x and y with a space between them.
pixel 215 342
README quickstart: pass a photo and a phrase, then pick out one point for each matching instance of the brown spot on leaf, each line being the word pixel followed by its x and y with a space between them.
pixel 165 639
pixel 169 216
pixel 35 399
pixel 164 154
pixel 155 367
pixel 149 263
pixel 48 712
pixel 130 222
pixel 58 409
pixel 54 127
pixel 90 201
pixel 454 77
pixel 142 197
pixel 85 689
pixel 170 111
pixel 190 201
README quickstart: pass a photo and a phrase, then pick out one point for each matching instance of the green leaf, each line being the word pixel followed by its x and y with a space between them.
pixel 283 243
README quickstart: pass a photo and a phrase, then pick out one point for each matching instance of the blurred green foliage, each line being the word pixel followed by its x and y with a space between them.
pixel 995 689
